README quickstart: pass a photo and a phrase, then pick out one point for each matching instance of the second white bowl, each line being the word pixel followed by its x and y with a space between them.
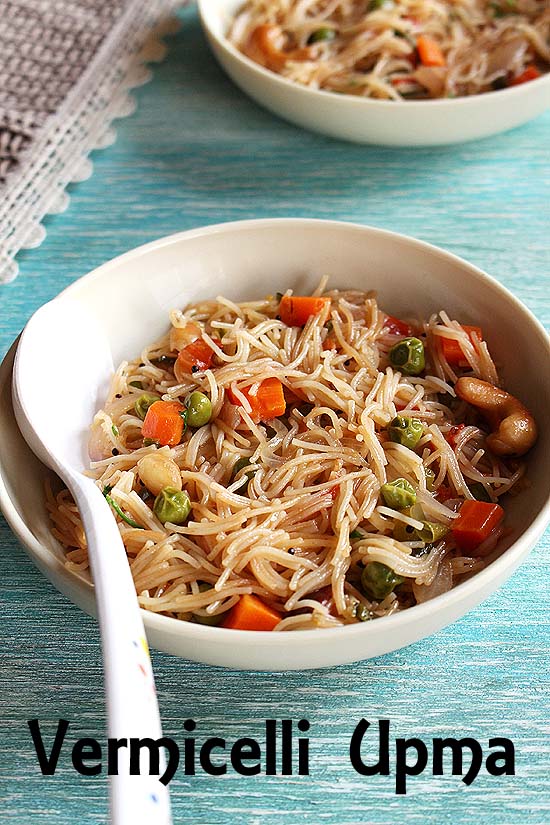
pixel 363 120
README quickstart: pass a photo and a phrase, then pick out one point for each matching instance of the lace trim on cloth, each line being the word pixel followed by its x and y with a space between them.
pixel 66 69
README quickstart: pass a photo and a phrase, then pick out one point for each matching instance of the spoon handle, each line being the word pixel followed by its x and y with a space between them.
pixel 132 706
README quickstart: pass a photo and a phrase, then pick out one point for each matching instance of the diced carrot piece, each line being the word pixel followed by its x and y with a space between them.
pixel 233 397
pixel 530 73
pixel 251 613
pixel 268 402
pixel 430 52
pixel 163 423
pixel 476 521
pixel 195 356
pixel 270 399
pixel 266 46
pixel 452 349
pixel 452 436
pixel 295 310
pixel 396 327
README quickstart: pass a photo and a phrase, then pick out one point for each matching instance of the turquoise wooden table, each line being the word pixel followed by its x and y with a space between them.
pixel 198 152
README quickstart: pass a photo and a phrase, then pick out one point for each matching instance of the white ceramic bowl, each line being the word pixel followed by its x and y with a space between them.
pixel 248 260
pixel 361 120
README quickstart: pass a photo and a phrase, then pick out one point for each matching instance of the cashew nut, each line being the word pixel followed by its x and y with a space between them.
pixel 157 471
pixel 265 44
pixel 514 428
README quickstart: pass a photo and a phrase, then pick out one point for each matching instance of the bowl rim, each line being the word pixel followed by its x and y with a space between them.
pixel 509 559
pixel 206 13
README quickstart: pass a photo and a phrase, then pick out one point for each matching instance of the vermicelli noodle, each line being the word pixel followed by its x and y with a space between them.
pixel 294 505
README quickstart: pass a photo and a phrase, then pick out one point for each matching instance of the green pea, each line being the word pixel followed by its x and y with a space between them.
pixel 320 35
pixel 378 580
pixel 398 494
pixel 405 431
pixel 172 505
pixel 430 478
pixel 143 403
pixel 199 409
pixel 138 385
pixel 356 534
pixel 208 620
pixel 408 356
pixel 479 492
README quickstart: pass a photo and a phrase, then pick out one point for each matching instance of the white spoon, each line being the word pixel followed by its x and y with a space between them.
pixel 61 375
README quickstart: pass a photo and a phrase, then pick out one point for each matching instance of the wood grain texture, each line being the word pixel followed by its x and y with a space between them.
pixel 197 152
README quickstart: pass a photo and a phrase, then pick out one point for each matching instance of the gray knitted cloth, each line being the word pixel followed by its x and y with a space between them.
pixel 66 67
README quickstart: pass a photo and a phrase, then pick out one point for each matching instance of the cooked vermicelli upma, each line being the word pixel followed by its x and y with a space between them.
pixel 398 49
pixel 303 461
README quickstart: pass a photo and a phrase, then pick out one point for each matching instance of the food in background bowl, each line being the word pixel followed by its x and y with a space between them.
pixel 300 462
pixel 411 49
